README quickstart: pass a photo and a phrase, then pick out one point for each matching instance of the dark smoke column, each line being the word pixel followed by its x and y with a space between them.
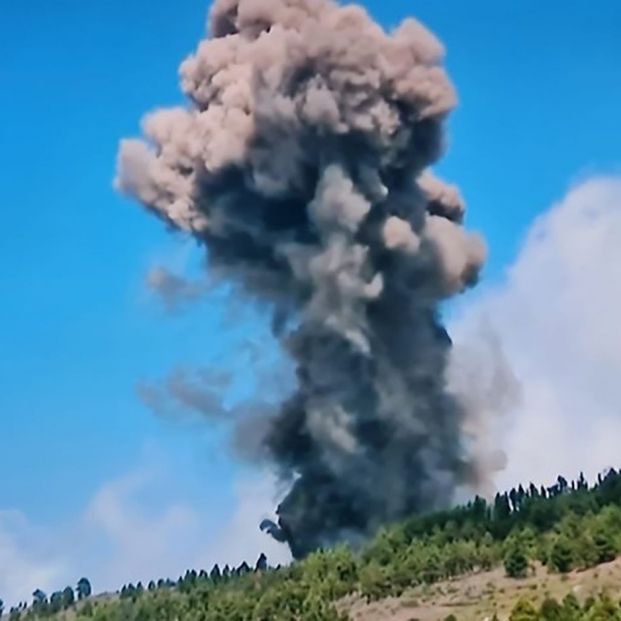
pixel 301 165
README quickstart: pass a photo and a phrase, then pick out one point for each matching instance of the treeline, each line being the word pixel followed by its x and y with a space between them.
pixel 192 577
pixel 42 606
pixel 565 526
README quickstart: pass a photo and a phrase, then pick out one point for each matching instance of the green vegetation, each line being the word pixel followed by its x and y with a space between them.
pixel 565 527
pixel 516 561
pixel 44 607
pixel 601 609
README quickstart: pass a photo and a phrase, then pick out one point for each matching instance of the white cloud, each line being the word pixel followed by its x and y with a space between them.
pixel 26 563
pixel 128 533
pixel 240 538
pixel 142 543
pixel 131 541
pixel 558 317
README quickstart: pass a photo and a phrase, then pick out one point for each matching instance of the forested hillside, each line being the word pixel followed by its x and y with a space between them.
pixel 568 526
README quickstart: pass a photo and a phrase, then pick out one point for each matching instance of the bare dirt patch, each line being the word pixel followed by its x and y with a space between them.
pixel 476 597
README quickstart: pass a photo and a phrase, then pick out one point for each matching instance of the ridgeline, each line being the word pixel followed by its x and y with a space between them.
pixel 525 556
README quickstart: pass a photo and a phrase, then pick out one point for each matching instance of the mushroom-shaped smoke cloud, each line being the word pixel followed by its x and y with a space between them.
pixel 302 166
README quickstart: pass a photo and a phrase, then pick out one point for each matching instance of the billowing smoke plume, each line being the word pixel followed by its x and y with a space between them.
pixel 302 165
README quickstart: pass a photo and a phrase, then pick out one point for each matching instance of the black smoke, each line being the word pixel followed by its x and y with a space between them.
pixel 302 166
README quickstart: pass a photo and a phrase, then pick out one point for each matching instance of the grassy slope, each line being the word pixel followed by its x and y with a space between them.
pixel 476 597
pixel 471 598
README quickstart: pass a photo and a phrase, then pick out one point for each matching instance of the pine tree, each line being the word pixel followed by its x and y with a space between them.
pixel 68 597
pixel 261 564
pixel 561 555
pixel 215 574
pixel 605 545
pixel 83 588
pixel 516 561
pixel 56 602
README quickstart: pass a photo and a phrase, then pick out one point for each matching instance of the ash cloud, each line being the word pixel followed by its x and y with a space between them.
pixel 174 290
pixel 302 165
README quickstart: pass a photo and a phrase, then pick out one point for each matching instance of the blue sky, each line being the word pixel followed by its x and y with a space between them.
pixel 540 93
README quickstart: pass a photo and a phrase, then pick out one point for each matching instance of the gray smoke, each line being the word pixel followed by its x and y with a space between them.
pixel 302 166
pixel 174 290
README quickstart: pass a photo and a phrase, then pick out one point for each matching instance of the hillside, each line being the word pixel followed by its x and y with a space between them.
pixel 477 597
pixel 472 562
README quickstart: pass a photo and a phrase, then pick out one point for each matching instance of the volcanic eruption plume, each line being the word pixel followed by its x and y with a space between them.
pixel 302 166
